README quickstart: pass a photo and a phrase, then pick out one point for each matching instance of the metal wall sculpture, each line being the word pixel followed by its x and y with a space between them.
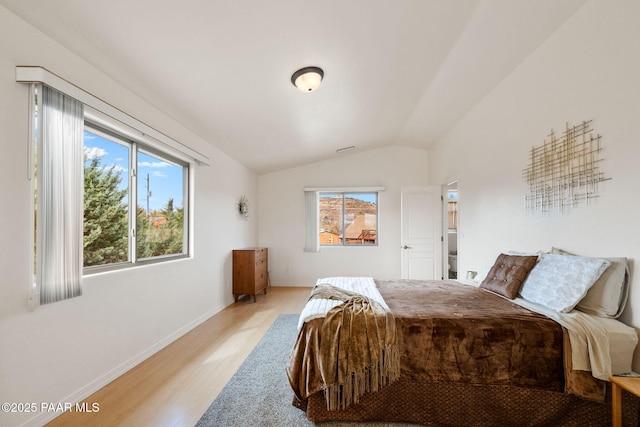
pixel 564 171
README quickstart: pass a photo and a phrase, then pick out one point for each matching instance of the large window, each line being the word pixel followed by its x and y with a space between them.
pixel 134 201
pixel 109 191
pixel 348 218
pixel 124 204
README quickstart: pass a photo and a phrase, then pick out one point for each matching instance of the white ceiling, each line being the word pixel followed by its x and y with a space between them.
pixel 396 71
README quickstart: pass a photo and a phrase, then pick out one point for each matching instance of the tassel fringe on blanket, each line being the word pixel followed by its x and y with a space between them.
pixel 359 349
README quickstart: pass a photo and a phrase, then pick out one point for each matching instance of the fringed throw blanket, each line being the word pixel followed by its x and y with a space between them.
pixel 358 352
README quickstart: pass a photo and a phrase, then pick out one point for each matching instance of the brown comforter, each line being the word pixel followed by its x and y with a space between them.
pixel 448 332
pixel 453 332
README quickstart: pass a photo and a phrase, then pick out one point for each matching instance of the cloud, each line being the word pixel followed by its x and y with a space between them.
pixel 94 152
pixel 153 164
pixel 118 168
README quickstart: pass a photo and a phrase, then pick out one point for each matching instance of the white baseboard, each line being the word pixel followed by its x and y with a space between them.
pixel 86 391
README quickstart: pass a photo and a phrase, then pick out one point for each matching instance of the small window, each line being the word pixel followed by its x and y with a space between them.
pixel 348 219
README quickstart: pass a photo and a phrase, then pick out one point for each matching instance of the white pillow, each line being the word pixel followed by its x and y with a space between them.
pixel 608 296
pixel 559 282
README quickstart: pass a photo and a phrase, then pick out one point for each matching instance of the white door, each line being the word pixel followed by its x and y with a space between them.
pixel 421 246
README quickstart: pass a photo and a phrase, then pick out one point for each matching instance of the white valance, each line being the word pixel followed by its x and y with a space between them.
pixel 26 74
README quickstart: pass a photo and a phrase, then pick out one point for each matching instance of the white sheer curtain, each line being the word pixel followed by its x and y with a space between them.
pixel 60 196
pixel 311 242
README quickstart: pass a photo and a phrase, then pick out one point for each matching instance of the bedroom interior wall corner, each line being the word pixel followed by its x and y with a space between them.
pixel 123 315
pixel 391 167
pixel 520 112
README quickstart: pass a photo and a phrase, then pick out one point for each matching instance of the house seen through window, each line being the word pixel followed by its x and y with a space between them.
pixel 348 218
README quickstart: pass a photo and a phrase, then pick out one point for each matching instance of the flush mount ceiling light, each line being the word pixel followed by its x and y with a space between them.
pixel 307 79
pixel 343 149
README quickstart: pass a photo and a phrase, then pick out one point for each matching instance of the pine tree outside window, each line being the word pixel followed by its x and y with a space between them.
pixel 108 190
pixel 134 202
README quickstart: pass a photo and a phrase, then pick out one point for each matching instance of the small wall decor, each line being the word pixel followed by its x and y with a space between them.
pixel 243 207
pixel 564 171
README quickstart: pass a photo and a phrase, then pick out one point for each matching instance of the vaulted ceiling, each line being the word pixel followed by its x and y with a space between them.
pixel 397 72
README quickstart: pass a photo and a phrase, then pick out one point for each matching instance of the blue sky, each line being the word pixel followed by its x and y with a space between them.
pixel 367 197
pixel 165 178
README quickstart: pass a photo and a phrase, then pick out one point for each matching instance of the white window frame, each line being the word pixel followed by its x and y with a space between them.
pixel 108 117
pixel 312 229
pixel 112 130
pixel 343 240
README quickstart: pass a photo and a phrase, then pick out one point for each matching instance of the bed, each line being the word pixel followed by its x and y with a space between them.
pixel 469 355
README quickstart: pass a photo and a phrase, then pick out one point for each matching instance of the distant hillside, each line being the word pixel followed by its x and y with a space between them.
pixel 331 212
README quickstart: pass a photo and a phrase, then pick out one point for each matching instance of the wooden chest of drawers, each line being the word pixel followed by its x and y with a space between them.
pixel 250 272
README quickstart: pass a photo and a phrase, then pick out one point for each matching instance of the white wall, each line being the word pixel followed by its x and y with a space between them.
pixel 588 70
pixel 65 351
pixel 281 215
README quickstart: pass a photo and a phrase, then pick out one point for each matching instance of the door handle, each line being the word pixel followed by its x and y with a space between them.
pixel 406 247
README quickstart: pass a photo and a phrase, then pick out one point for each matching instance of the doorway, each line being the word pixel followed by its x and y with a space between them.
pixel 451 225
pixel 421 233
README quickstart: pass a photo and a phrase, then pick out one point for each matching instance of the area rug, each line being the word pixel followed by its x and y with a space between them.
pixel 259 394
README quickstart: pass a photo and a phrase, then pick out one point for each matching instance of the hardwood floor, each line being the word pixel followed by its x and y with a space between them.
pixel 175 386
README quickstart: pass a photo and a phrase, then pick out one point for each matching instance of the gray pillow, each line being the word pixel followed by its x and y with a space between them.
pixel 608 296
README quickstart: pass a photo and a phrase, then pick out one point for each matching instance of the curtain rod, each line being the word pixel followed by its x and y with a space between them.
pixel 35 74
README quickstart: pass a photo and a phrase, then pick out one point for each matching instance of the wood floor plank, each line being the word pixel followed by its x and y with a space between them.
pixel 175 386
